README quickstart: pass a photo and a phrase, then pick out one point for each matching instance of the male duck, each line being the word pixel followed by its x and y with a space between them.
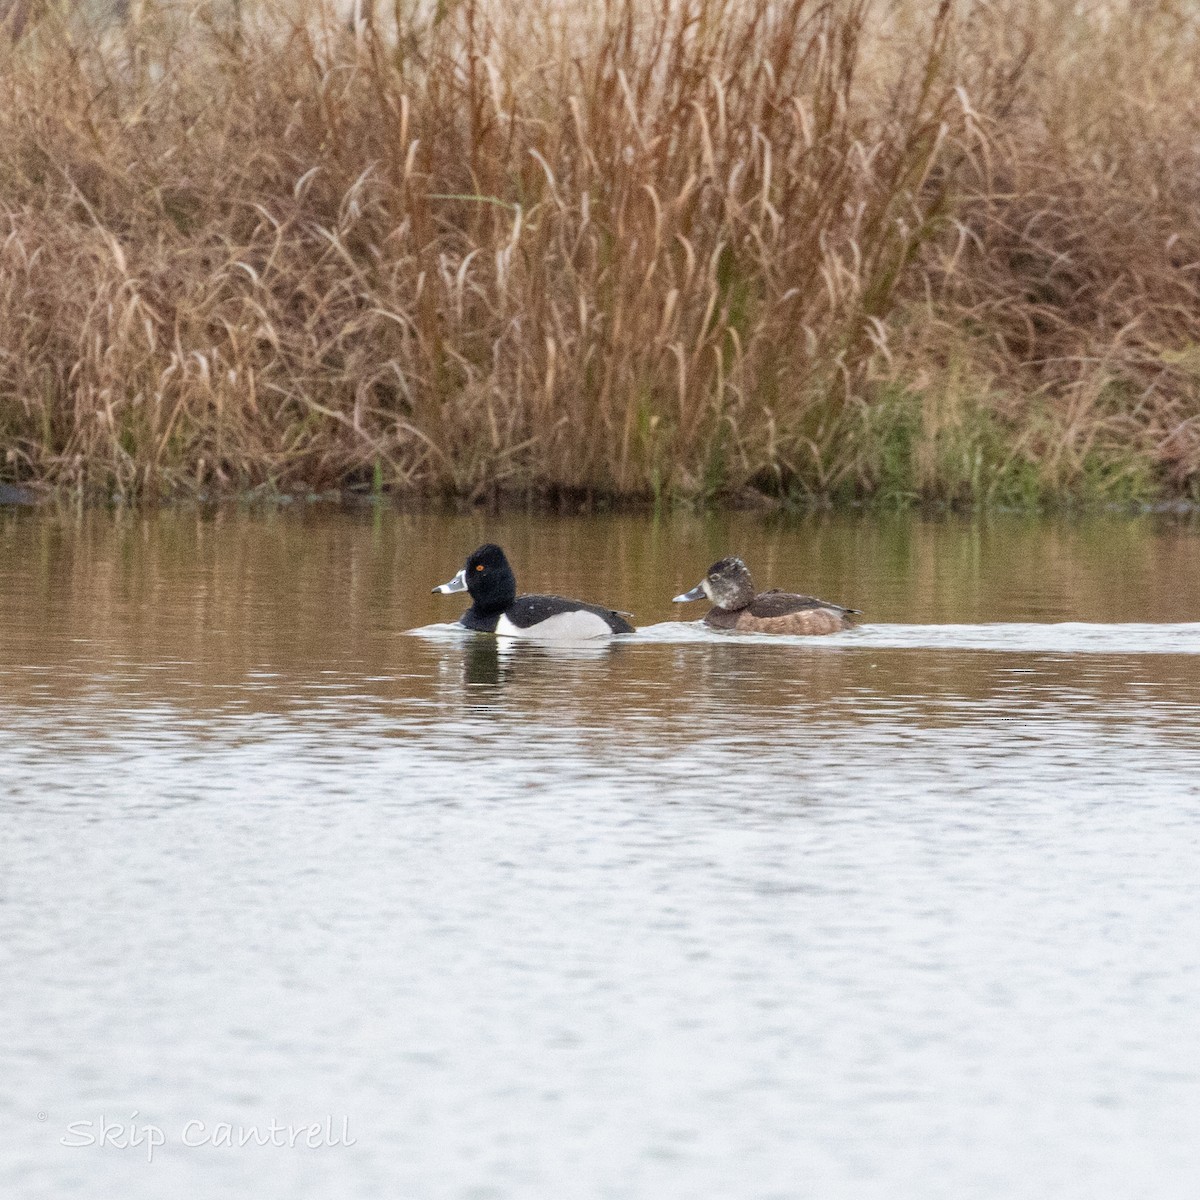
pixel 735 606
pixel 497 608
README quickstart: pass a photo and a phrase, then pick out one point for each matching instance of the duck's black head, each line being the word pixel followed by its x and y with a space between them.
pixel 489 579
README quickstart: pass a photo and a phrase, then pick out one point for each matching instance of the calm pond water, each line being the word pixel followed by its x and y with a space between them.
pixel 908 912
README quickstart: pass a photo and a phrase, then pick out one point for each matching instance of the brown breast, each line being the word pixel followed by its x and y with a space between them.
pixel 783 612
pixel 805 621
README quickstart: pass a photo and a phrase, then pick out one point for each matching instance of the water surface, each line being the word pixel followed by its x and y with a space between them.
pixel 911 911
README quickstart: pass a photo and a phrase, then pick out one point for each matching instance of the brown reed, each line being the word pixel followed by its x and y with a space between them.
pixel 605 251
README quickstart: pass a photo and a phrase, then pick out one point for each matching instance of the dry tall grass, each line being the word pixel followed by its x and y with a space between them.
pixel 607 249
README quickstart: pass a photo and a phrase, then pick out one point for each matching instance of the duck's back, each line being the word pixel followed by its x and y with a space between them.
pixel 557 617
pixel 784 612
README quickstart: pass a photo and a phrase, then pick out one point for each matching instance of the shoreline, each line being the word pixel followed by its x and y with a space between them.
pixel 37 498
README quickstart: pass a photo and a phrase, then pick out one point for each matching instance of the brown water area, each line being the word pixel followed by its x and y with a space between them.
pixel 197 607
pixel 908 910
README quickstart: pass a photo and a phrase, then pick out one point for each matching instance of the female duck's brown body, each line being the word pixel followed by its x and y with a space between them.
pixel 736 606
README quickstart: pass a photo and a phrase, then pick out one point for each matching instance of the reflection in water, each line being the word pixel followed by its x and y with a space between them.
pixel 481 664
pixel 906 911
pixel 489 664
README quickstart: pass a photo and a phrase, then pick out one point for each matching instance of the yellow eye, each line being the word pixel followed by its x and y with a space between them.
pixel 479 567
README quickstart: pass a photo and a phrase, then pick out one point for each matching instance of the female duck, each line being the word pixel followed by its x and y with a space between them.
pixel 496 607
pixel 735 606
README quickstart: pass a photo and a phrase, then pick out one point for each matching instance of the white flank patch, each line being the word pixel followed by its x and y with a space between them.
pixel 562 627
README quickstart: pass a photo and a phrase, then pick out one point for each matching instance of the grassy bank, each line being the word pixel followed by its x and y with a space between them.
pixel 557 250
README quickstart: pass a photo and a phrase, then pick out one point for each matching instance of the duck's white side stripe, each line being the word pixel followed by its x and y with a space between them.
pixel 568 626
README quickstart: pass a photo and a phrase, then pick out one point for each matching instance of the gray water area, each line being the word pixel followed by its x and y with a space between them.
pixel 911 911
